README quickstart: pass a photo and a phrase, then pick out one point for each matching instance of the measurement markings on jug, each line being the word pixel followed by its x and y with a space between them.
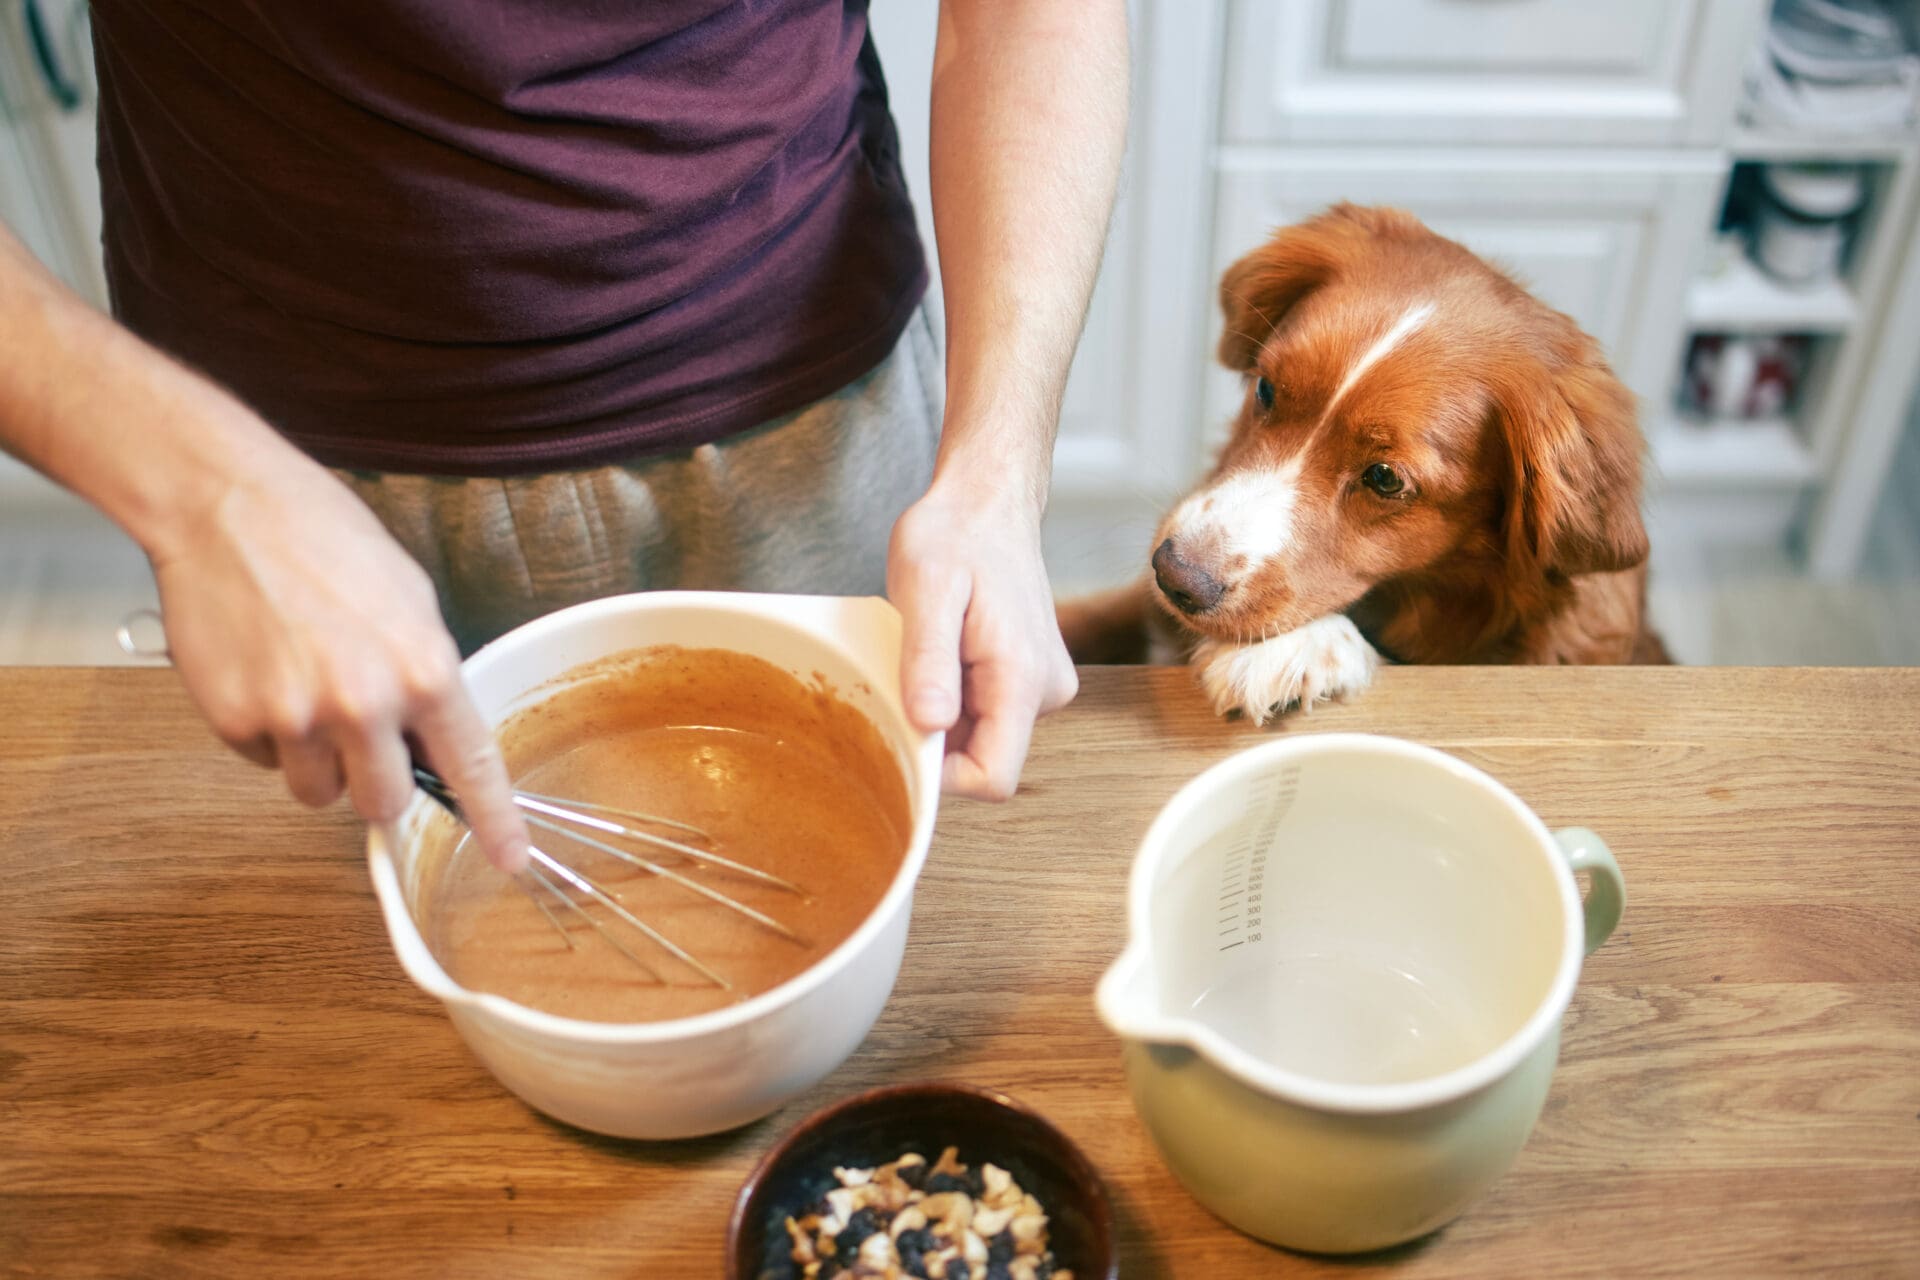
pixel 1243 872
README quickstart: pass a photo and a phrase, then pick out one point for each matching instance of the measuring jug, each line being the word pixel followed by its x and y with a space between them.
pixel 1341 996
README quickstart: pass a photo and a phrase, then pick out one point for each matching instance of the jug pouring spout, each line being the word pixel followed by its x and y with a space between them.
pixel 1128 998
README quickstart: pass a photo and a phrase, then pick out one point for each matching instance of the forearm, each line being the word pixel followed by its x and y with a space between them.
pixel 144 439
pixel 1028 127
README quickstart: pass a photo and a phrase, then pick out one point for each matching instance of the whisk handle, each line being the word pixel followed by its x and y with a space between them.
pixel 436 788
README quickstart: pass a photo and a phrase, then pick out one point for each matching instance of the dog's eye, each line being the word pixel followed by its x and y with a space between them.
pixel 1263 392
pixel 1383 480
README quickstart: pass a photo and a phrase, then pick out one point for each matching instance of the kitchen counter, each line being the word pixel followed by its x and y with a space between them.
pixel 212 1065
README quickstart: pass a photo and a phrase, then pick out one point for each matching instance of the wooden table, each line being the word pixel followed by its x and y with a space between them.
pixel 211 1064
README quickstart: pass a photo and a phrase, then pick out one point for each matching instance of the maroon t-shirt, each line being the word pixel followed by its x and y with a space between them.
pixel 488 236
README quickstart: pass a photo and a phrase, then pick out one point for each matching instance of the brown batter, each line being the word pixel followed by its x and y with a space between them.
pixel 783 776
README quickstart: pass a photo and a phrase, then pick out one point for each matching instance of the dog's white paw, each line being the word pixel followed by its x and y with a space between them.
pixel 1324 659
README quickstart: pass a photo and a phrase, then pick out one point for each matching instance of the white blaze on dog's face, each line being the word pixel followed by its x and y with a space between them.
pixel 1364 447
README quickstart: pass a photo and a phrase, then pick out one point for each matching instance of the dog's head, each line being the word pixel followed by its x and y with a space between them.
pixel 1405 404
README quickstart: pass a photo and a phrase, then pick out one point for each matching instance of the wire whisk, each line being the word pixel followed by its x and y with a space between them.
pixel 547 880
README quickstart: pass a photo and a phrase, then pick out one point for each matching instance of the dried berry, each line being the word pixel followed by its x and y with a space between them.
pixel 862 1224
pixel 1000 1249
pixel 914 1246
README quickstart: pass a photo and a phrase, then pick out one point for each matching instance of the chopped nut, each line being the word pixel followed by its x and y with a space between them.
pixel 991 1222
pixel 952 1211
pixel 803 1251
pixel 911 1218
pixel 889 1190
pixel 1029 1233
pixel 840 1205
pixel 877 1253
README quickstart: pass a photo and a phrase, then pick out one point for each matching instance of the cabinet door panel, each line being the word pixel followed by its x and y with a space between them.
pixel 1626 39
pixel 1558 71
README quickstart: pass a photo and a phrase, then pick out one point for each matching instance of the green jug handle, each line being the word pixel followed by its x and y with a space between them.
pixel 1607 889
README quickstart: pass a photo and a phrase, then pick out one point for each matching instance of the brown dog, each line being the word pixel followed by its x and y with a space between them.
pixel 1429 464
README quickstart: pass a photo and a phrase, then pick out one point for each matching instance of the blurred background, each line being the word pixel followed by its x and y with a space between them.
pixel 1725 192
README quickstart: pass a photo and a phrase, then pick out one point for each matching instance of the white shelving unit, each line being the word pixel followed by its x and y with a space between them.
pixel 1764 482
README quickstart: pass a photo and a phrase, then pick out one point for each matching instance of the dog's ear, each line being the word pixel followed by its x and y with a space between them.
pixel 1257 291
pixel 1573 489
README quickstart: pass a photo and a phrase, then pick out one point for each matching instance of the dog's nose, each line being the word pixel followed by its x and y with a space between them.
pixel 1191 588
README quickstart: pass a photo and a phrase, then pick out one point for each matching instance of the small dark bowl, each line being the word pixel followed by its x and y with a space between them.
pixel 874 1127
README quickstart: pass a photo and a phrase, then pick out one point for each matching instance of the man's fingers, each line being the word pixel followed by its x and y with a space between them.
pixel 932 607
pixel 986 765
pixel 379 773
pixel 1062 682
pixel 312 766
pixel 260 751
pixel 462 751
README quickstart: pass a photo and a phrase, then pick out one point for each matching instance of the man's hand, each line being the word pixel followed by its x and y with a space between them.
pixel 309 640
pixel 303 632
pixel 982 655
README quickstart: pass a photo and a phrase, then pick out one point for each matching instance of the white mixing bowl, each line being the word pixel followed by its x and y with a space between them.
pixel 715 1071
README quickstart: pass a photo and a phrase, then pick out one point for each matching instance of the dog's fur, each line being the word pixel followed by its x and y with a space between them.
pixel 1514 534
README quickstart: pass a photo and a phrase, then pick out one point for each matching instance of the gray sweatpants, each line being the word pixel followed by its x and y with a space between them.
pixel 804 503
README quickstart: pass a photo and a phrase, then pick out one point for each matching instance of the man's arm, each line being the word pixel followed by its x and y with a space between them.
pixel 304 634
pixel 1028 127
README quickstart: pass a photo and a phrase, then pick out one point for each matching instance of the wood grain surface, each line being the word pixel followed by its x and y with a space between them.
pixel 212 1065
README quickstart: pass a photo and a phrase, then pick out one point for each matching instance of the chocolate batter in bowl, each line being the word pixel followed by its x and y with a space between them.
pixel 775 723
pixel 782 775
